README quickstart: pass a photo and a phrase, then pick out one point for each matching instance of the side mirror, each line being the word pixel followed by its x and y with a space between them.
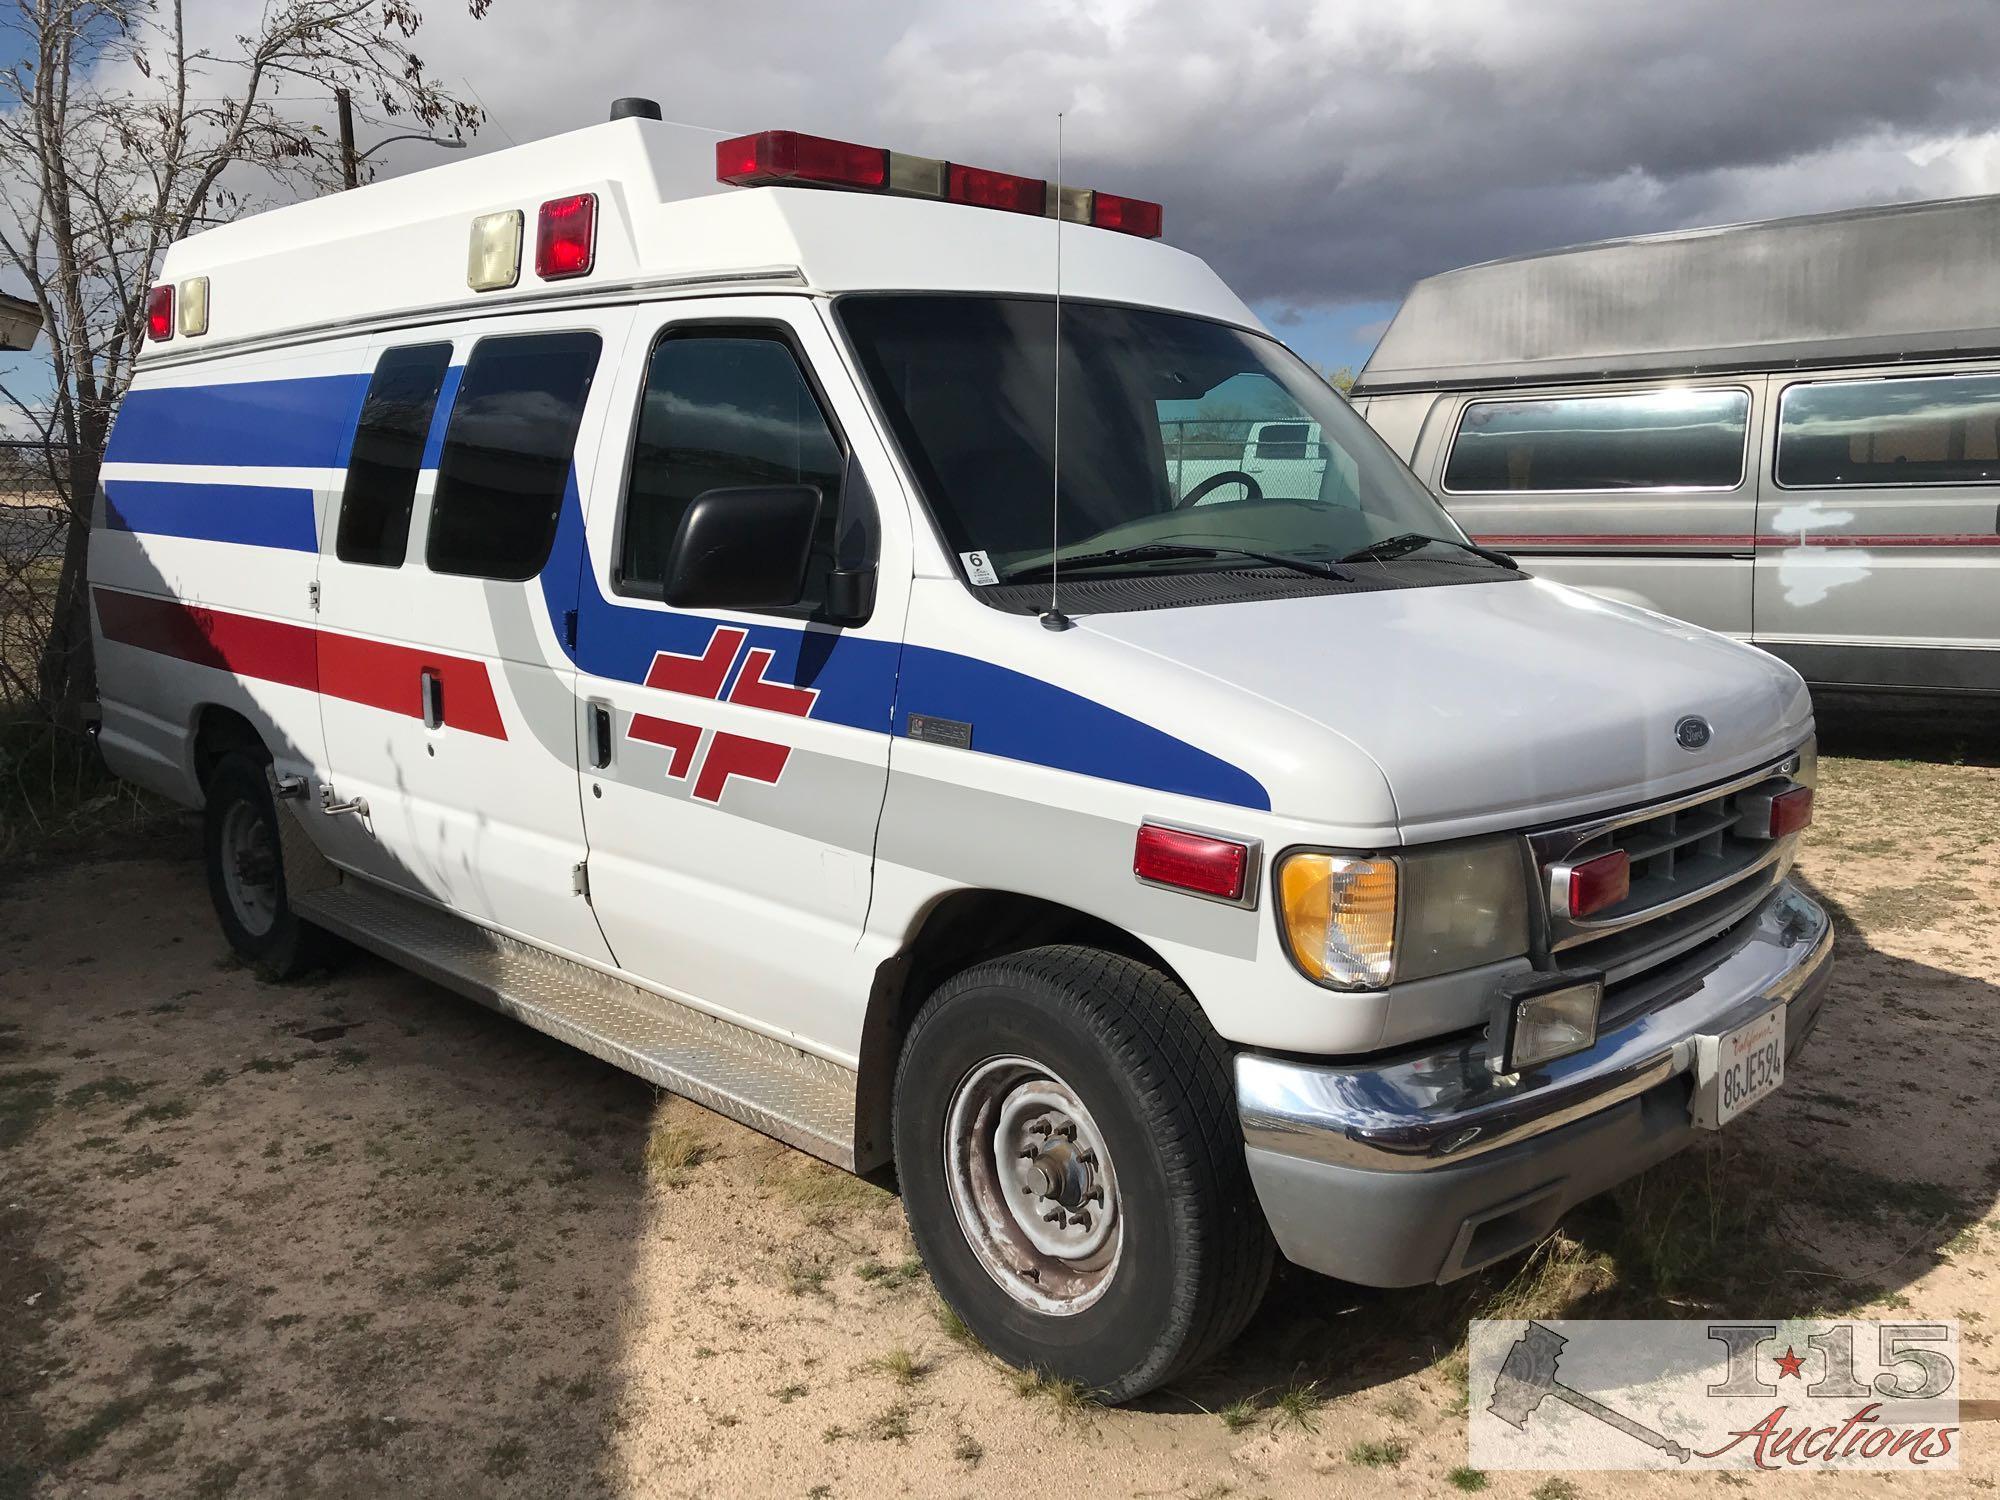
pixel 743 548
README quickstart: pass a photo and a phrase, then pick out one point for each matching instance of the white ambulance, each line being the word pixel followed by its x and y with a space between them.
pixel 626 578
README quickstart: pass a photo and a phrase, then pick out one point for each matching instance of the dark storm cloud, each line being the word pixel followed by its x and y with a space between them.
pixel 1329 153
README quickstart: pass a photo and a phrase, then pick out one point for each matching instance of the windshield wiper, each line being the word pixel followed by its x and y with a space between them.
pixel 1169 551
pixel 1406 542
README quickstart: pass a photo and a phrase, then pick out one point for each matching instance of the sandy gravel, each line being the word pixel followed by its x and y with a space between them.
pixel 357 1237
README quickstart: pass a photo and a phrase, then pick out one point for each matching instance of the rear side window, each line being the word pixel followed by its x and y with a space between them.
pixel 1932 429
pixel 388 451
pixel 723 410
pixel 507 453
pixel 1651 440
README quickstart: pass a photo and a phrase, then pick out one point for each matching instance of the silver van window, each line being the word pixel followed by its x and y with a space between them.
pixel 1926 429
pixel 1675 439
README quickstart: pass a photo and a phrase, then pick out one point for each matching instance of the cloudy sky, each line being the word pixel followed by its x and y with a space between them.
pixel 1321 156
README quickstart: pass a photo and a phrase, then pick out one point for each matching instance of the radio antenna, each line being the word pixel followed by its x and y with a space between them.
pixel 1053 618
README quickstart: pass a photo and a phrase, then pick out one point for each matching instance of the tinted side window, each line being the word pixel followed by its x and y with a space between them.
pixel 1652 440
pixel 388 451
pixel 507 453
pixel 722 411
pixel 1936 429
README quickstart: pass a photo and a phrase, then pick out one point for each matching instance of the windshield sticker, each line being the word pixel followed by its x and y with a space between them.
pixel 979 568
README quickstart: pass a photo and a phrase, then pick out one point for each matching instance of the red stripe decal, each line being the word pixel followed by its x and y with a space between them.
pixel 753 691
pixel 698 676
pixel 733 755
pixel 380 675
pixel 373 673
pixel 1741 541
pixel 269 650
pixel 676 736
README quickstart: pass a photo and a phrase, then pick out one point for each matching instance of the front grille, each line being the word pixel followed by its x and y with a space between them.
pixel 1695 871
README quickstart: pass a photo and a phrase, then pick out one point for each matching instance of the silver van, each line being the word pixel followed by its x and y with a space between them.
pixel 1786 431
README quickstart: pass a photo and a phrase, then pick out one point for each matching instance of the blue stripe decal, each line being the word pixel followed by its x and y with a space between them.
pixel 1024 718
pixel 441 416
pixel 1014 715
pixel 248 514
pixel 285 424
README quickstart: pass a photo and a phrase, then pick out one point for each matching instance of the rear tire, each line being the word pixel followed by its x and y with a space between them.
pixel 246 874
pixel 1072 1164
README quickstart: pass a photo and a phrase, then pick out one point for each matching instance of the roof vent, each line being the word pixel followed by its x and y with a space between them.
pixel 635 109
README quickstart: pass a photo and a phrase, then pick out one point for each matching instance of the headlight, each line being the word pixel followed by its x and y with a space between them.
pixel 1356 922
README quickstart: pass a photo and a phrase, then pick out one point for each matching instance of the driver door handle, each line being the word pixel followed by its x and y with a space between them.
pixel 600 736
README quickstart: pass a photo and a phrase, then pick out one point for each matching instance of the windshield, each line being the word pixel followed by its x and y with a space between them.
pixel 1174 431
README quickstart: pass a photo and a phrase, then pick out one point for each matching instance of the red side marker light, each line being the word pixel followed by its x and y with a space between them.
pixel 1192 862
pixel 984 189
pixel 780 156
pixel 1600 882
pixel 566 237
pixel 1791 811
pixel 160 314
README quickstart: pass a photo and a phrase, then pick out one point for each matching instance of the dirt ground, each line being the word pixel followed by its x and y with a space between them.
pixel 356 1237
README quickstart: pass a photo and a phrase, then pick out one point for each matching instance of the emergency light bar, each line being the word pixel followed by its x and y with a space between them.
pixel 784 158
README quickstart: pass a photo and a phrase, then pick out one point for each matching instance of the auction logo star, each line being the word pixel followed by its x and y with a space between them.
pixel 1789 1363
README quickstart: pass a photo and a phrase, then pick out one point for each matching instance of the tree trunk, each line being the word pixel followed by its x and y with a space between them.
pixel 67 672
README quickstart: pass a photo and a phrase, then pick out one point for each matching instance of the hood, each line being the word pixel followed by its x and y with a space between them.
pixel 1484 706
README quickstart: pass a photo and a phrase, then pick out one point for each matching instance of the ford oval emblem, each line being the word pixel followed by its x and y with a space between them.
pixel 1692 733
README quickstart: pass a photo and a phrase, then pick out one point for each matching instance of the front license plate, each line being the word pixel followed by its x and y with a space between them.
pixel 1736 1069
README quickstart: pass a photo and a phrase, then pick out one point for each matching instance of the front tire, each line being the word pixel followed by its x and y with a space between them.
pixel 246 874
pixel 1072 1164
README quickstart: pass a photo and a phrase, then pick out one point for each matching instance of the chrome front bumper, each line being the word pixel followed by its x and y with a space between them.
pixel 1345 1158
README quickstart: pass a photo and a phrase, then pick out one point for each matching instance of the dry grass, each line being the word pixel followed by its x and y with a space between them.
pixel 900 1365
pixel 673 1152
pixel 1069 1400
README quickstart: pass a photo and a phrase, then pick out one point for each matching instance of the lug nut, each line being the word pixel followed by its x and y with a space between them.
pixel 1031 1151
pixel 1067 1130
pixel 1039 1127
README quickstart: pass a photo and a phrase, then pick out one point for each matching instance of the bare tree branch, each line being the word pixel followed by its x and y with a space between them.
pixel 119 135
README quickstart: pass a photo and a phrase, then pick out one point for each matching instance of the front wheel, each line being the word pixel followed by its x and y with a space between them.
pixel 246 874
pixel 1072 1164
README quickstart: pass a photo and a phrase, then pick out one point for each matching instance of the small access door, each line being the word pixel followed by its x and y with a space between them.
pixel 447 696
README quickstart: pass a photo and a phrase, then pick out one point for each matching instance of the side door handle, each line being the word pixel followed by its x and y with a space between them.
pixel 600 736
pixel 433 695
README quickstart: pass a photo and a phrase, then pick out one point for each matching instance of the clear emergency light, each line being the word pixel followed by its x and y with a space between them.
pixel 784 158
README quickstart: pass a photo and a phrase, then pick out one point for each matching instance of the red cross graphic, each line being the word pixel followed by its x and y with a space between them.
pixel 703 676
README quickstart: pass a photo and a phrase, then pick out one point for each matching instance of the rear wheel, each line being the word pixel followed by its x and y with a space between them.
pixel 246 874
pixel 1072 1164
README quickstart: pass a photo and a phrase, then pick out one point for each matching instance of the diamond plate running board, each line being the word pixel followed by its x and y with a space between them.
pixel 790 1095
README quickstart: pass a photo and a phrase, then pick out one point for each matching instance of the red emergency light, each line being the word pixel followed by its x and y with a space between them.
pixel 1791 811
pixel 1598 883
pixel 566 237
pixel 784 158
pixel 160 314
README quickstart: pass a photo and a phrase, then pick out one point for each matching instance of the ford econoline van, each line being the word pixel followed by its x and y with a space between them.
pixel 645 582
